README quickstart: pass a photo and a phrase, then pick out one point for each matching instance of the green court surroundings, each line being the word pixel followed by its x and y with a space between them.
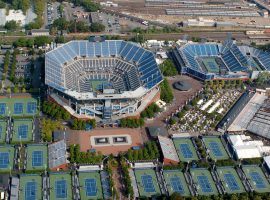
pixel 215 148
pixel 147 182
pixel 175 182
pixel 37 157
pixel 256 178
pixel 7 154
pixel 90 185
pixel 203 182
pixel 22 130
pixel 30 187
pixel 18 106
pixel 185 149
pixel 60 186
pixel 3 131
pixel 230 180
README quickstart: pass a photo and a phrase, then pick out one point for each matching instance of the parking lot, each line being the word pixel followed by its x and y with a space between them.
pixel 52 13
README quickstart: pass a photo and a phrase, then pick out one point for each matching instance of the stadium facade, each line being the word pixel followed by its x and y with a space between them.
pixel 208 61
pixel 102 78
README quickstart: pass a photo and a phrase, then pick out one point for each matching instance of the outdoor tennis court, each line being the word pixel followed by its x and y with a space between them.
pixel 203 181
pixel 20 106
pixel 175 182
pixel 37 157
pixel 6 158
pixel 90 185
pixel 147 182
pixel 211 65
pixel 185 149
pixel 257 178
pixel 215 148
pixel 230 180
pixel 60 184
pixel 3 129
pixel 22 130
pixel 30 187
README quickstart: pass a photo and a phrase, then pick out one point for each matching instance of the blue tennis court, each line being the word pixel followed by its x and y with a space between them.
pixel 18 108
pixel 31 190
pixel 4 160
pixel 31 107
pixel 148 183
pixel 90 187
pixel 204 183
pixel 255 176
pixel 2 108
pixel 37 158
pixel 214 147
pixel 184 148
pixel 22 131
pixel 61 189
pixel 231 181
pixel 177 185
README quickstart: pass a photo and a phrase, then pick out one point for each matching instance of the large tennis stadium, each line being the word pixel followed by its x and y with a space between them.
pixel 102 78
pixel 208 61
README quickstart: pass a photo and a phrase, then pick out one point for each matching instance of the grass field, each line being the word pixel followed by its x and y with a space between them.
pixel 18 123
pixel 3 129
pixel 34 161
pixel 6 158
pixel 230 180
pixel 147 189
pixel 216 148
pixel 204 181
pixel 211 65
pixel 20 106
pixel 257 178
pixel 60 184
pixel 30 187
pixel 95 191
pixel 175 182
pixel 185 149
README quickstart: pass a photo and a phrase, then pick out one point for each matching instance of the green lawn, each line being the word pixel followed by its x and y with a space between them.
pixel 139 173
pixel 32 151
pixel 90 176
pixel 185 149
pixel 176 177
pixel 215 147
pixel 7 150
pixel 61 179
pixel 17 124
pixel 28 180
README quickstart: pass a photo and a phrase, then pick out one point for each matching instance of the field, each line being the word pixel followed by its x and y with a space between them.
pixel 257 178
pixel 175 182
pixel 3 128
pixel 230 180
pixel 6 158
pixel 60 184
pixel 90 185
pixel 203 182
pixel 215 148
pixel 22 130
pixel 30 187
pixel 19 106
pixel 37 157
pixel 147 182
pixel 185 149
pixel 211 65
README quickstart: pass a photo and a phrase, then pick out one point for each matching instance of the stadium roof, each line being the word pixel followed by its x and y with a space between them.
pixel 168 149
pixel 57 154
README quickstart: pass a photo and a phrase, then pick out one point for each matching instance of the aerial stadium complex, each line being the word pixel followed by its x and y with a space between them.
pixel 102 78
pixel 208 61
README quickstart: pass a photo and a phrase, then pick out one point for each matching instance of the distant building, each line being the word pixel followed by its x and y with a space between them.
pixel 155 131
pixel 40 32
pixel 168 151
pixel 57 155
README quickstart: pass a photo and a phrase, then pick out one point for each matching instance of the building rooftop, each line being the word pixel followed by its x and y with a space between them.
pixel 168 149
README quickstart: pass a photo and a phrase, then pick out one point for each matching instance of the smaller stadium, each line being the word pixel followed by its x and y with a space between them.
pixel 208 61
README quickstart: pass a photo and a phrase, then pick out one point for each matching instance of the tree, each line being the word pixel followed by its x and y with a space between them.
pixel 11 25
pixel 60 39
pixel 176 196
pixel 78 26
pixel 2 4
pixel 61 24
pixel 166 93
pixel 168 68
pixel 97 27
pixel 42 40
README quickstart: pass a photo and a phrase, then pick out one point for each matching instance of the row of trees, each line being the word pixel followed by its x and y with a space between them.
pixel 6 62
pixel 55 111
pixel 39 7
pixel 48 126
pixel 29 42
pixel 150 111
pixel 79 124
pixel 168 68
pixel 88 5
pixel 224 84
pixel 166 93
pixel 76 156
pixel 148 152
pixel 127 180
pixel 201 149
pixel 131 122
pixel 13 66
